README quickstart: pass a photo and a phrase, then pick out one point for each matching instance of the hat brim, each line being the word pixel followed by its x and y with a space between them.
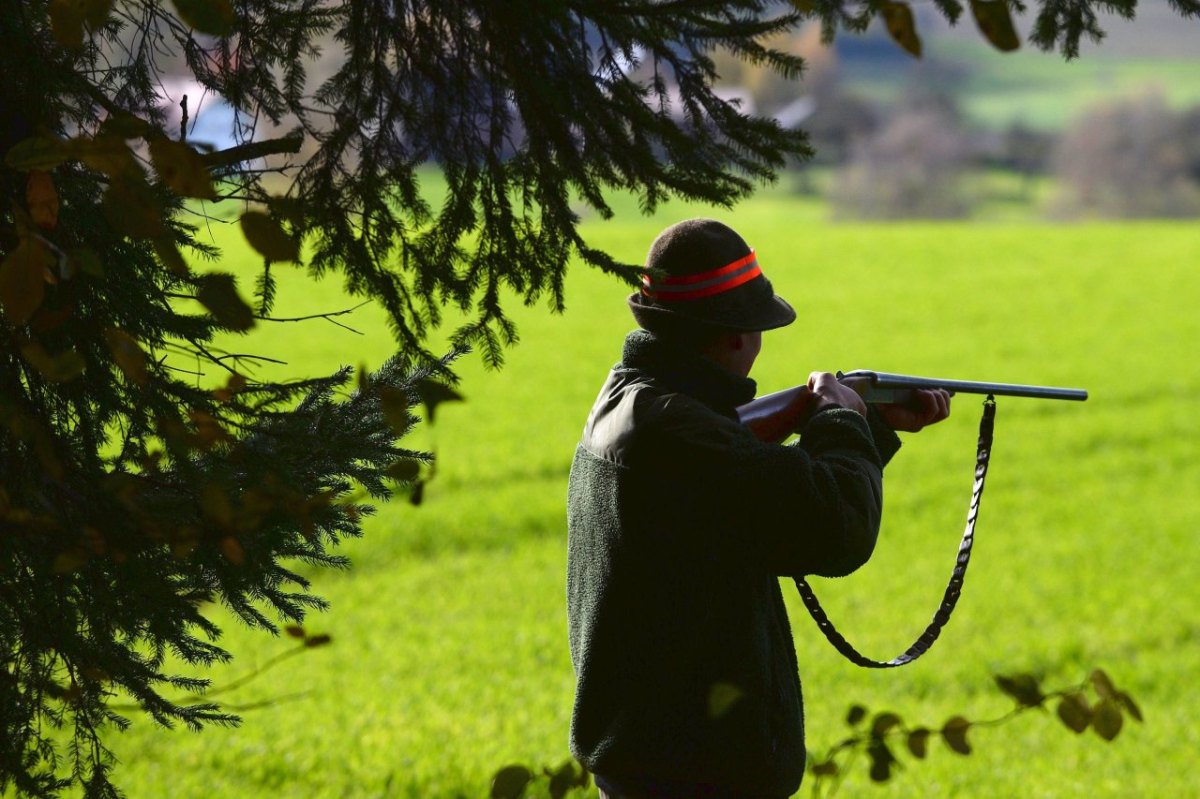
pixel 767 314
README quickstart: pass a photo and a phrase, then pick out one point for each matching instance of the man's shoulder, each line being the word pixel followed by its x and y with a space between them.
pixel 635 413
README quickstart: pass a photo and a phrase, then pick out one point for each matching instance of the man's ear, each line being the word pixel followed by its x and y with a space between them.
pixel 737 341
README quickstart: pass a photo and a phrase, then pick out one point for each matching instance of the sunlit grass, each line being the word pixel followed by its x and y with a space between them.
pixel 449 656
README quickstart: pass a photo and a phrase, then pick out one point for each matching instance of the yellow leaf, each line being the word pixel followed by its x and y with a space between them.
pixel 995 23
pixel 127 354
pixel 38 152
pixel 181 169
pixel 61 368
pixel 898 18
pixel 266 236
pixel 107 153
pixel 42 199
pixel 22 280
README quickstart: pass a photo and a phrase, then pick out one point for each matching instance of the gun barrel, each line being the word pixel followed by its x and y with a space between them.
pixel 885 386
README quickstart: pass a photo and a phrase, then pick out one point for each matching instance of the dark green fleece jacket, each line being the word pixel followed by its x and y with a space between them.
pixel 679 524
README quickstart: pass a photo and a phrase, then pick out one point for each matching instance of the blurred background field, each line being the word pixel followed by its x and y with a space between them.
pixel 449 656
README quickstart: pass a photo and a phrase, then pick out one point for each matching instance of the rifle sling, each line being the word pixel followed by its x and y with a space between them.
pixel 923 643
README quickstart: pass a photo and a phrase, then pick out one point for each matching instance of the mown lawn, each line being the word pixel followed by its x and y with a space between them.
pixel 449 657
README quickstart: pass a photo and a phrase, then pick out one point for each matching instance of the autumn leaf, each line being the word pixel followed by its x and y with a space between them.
pixel 23 281
pixel 41 198
pixel 181 169
pixel 218 293
pixel 38 152
pixel 132 209
pixel 66 22
pixel 433 394
pixel 127 354
pixel 954 733
pixel 901 26
pixel 995 23
pixel 510 781
pixel 61 368
pixel 214 17
pixel 270 240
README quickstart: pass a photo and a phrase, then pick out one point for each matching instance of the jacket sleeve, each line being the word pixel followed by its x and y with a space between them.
pixel 813 507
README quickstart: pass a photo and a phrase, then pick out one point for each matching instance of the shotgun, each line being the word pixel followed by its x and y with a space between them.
pixel 774 417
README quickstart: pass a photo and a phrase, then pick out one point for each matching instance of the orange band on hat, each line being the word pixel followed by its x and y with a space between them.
pixel 675 288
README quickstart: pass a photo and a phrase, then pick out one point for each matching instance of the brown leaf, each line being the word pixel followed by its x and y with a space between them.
pixel 918 742
pixel 901 26
pixel 394 402
pixel 995 23
pixel 433 394
pixel 127 354
pixel 66 22
pixel 510 782
pixel 41 198
pixel 1107 719
pixel 168 252
pixel 95 12
pixel 233 385
pixel 954 733
pixel 1074 712
pixel 131 208
pixel 232 549
pixel 218 293
pixel 266 236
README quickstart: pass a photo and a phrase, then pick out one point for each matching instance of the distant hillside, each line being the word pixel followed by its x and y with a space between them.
pixel 1158 52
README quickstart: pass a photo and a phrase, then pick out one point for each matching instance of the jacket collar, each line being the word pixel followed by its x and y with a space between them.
pixel 687 372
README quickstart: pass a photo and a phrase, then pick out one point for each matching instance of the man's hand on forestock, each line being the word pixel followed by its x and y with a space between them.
pixel 927 406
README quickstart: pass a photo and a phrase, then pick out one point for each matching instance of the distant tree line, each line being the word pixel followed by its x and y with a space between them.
pixel 917 155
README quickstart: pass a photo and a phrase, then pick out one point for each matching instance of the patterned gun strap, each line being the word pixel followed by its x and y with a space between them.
pixel 953 589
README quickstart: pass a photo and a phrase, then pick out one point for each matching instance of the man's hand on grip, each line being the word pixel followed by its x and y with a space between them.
pixel 827 390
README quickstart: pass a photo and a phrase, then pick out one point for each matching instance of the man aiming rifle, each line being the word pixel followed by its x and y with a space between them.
pixel 681 519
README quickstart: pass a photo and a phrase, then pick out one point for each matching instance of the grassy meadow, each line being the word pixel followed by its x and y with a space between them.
pixel 449 656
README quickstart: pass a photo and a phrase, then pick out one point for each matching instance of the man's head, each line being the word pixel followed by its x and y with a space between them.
pixel 700 272
pixel 703 287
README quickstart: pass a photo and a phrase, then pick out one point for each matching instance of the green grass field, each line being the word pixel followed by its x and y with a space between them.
pixel 449 657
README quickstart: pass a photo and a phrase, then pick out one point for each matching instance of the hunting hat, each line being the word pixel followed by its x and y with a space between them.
pixel 702 272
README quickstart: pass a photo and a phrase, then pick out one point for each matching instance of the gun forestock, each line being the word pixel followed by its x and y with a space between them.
pixel 887 387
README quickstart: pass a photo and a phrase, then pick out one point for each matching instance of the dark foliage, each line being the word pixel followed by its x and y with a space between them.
pixel 146 469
